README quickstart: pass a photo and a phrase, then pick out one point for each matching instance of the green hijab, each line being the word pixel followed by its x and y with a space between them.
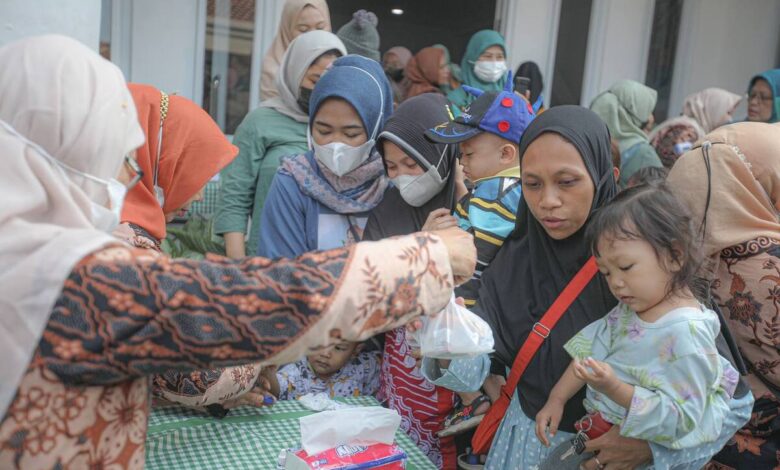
pixel 478 43
pixel 772 77
pixel 625 107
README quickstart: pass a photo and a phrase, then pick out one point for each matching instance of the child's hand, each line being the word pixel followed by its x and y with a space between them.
pixel 439 219
pixel 548 419
pixel 600 376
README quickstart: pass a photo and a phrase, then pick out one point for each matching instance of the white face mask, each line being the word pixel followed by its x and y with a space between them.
pixel 106 219
pixel 416 190
pixel 341 158
pixel 490 71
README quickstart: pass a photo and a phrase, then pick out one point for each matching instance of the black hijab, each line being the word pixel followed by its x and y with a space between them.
pixel 531 269
pixel 405 128
pixel 531 70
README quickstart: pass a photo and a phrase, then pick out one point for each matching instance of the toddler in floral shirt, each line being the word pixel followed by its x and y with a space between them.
pixel 341 370
pixel 651 365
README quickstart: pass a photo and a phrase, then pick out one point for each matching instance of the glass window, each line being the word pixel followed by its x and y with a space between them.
pixel 230 28
pixel 663 48
pixel 570 52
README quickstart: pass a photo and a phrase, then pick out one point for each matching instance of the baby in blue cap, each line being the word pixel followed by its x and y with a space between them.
pixel 488 132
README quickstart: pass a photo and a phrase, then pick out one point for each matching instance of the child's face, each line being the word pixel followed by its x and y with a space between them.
pixel 331 359
pixel 481 156
pixel 635 274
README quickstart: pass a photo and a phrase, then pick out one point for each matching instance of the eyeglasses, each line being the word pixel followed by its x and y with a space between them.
pixel 758 96
pixel 138 173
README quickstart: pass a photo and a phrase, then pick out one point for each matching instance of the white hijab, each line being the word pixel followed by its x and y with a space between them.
pixel 709 107
pixel 303 51
pixel 59 102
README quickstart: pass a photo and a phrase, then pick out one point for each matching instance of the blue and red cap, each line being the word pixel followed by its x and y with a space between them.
pixel 503 113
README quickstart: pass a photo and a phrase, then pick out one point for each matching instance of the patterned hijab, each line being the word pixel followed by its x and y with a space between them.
pixel 362 83
pixel 732 186
pixel 284 36
pixel 61 104
pixel 194 149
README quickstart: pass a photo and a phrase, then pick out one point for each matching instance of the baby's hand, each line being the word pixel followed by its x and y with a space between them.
pixel 548 419
pixel 439 219
pixel 599 375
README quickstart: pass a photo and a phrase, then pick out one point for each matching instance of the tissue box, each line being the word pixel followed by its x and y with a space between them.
pixel 346 457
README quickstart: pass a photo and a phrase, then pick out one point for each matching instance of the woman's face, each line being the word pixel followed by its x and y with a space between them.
pixel 308 19
pixel 493 54
pixel 316 69
pixel 760 101
pixel 556 185
pixel 444 71
pixel 337 121
pixel 182 211
pixel 398 162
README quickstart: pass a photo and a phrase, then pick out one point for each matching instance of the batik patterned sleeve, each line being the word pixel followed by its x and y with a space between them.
pixel 123 314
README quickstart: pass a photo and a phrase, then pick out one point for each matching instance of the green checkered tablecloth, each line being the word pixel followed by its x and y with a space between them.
pixel 248 438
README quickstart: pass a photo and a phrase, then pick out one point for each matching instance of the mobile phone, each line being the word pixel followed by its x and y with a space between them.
pixel 521 85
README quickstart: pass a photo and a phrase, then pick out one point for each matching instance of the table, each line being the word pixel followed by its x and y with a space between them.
pixel 247 438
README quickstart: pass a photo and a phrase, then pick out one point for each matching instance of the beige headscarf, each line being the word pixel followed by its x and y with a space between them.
pixel 76 108
pixel 303 51
pixel 284 36
pixel 709 107
pixel 744 181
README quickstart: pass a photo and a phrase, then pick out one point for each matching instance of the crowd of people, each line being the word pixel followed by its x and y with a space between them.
pixel 629 270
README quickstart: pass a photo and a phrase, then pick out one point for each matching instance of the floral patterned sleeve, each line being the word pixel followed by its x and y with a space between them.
pixel 125 313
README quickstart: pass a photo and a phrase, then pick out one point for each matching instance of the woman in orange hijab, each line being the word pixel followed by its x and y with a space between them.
pixel 426 71
pixel 193 150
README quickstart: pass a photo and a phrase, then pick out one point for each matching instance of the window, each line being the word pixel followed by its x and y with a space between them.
pixel 663 48
pixel 230 28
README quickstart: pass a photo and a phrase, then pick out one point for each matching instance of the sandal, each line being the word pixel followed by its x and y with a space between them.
pixel 464 417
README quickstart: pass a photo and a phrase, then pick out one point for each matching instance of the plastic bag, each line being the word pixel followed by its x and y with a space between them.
pixel 453 333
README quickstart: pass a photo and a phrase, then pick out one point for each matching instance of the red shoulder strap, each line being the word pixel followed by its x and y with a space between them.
pixel 541 329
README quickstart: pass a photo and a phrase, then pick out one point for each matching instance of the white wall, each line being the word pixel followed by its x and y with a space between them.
pixel 166 45
pixel 618 44
pixel 723 43
pixel 79 19
pixel 530 28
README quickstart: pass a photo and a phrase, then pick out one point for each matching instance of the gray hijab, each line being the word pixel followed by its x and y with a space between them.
pixel 303 51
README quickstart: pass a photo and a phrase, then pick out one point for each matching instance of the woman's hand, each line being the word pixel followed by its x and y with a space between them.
pixel 548 419
pixel 616 452
pixel 462 251
pixel 439 219
pixel 263 393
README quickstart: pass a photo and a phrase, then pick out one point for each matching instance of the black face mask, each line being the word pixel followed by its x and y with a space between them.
pixel 395 75
pixel 304 96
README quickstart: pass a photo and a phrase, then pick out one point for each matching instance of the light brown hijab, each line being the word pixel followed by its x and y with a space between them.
pixel 743 182
pixel 284 36
pixel 422 72
pixel 710 106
